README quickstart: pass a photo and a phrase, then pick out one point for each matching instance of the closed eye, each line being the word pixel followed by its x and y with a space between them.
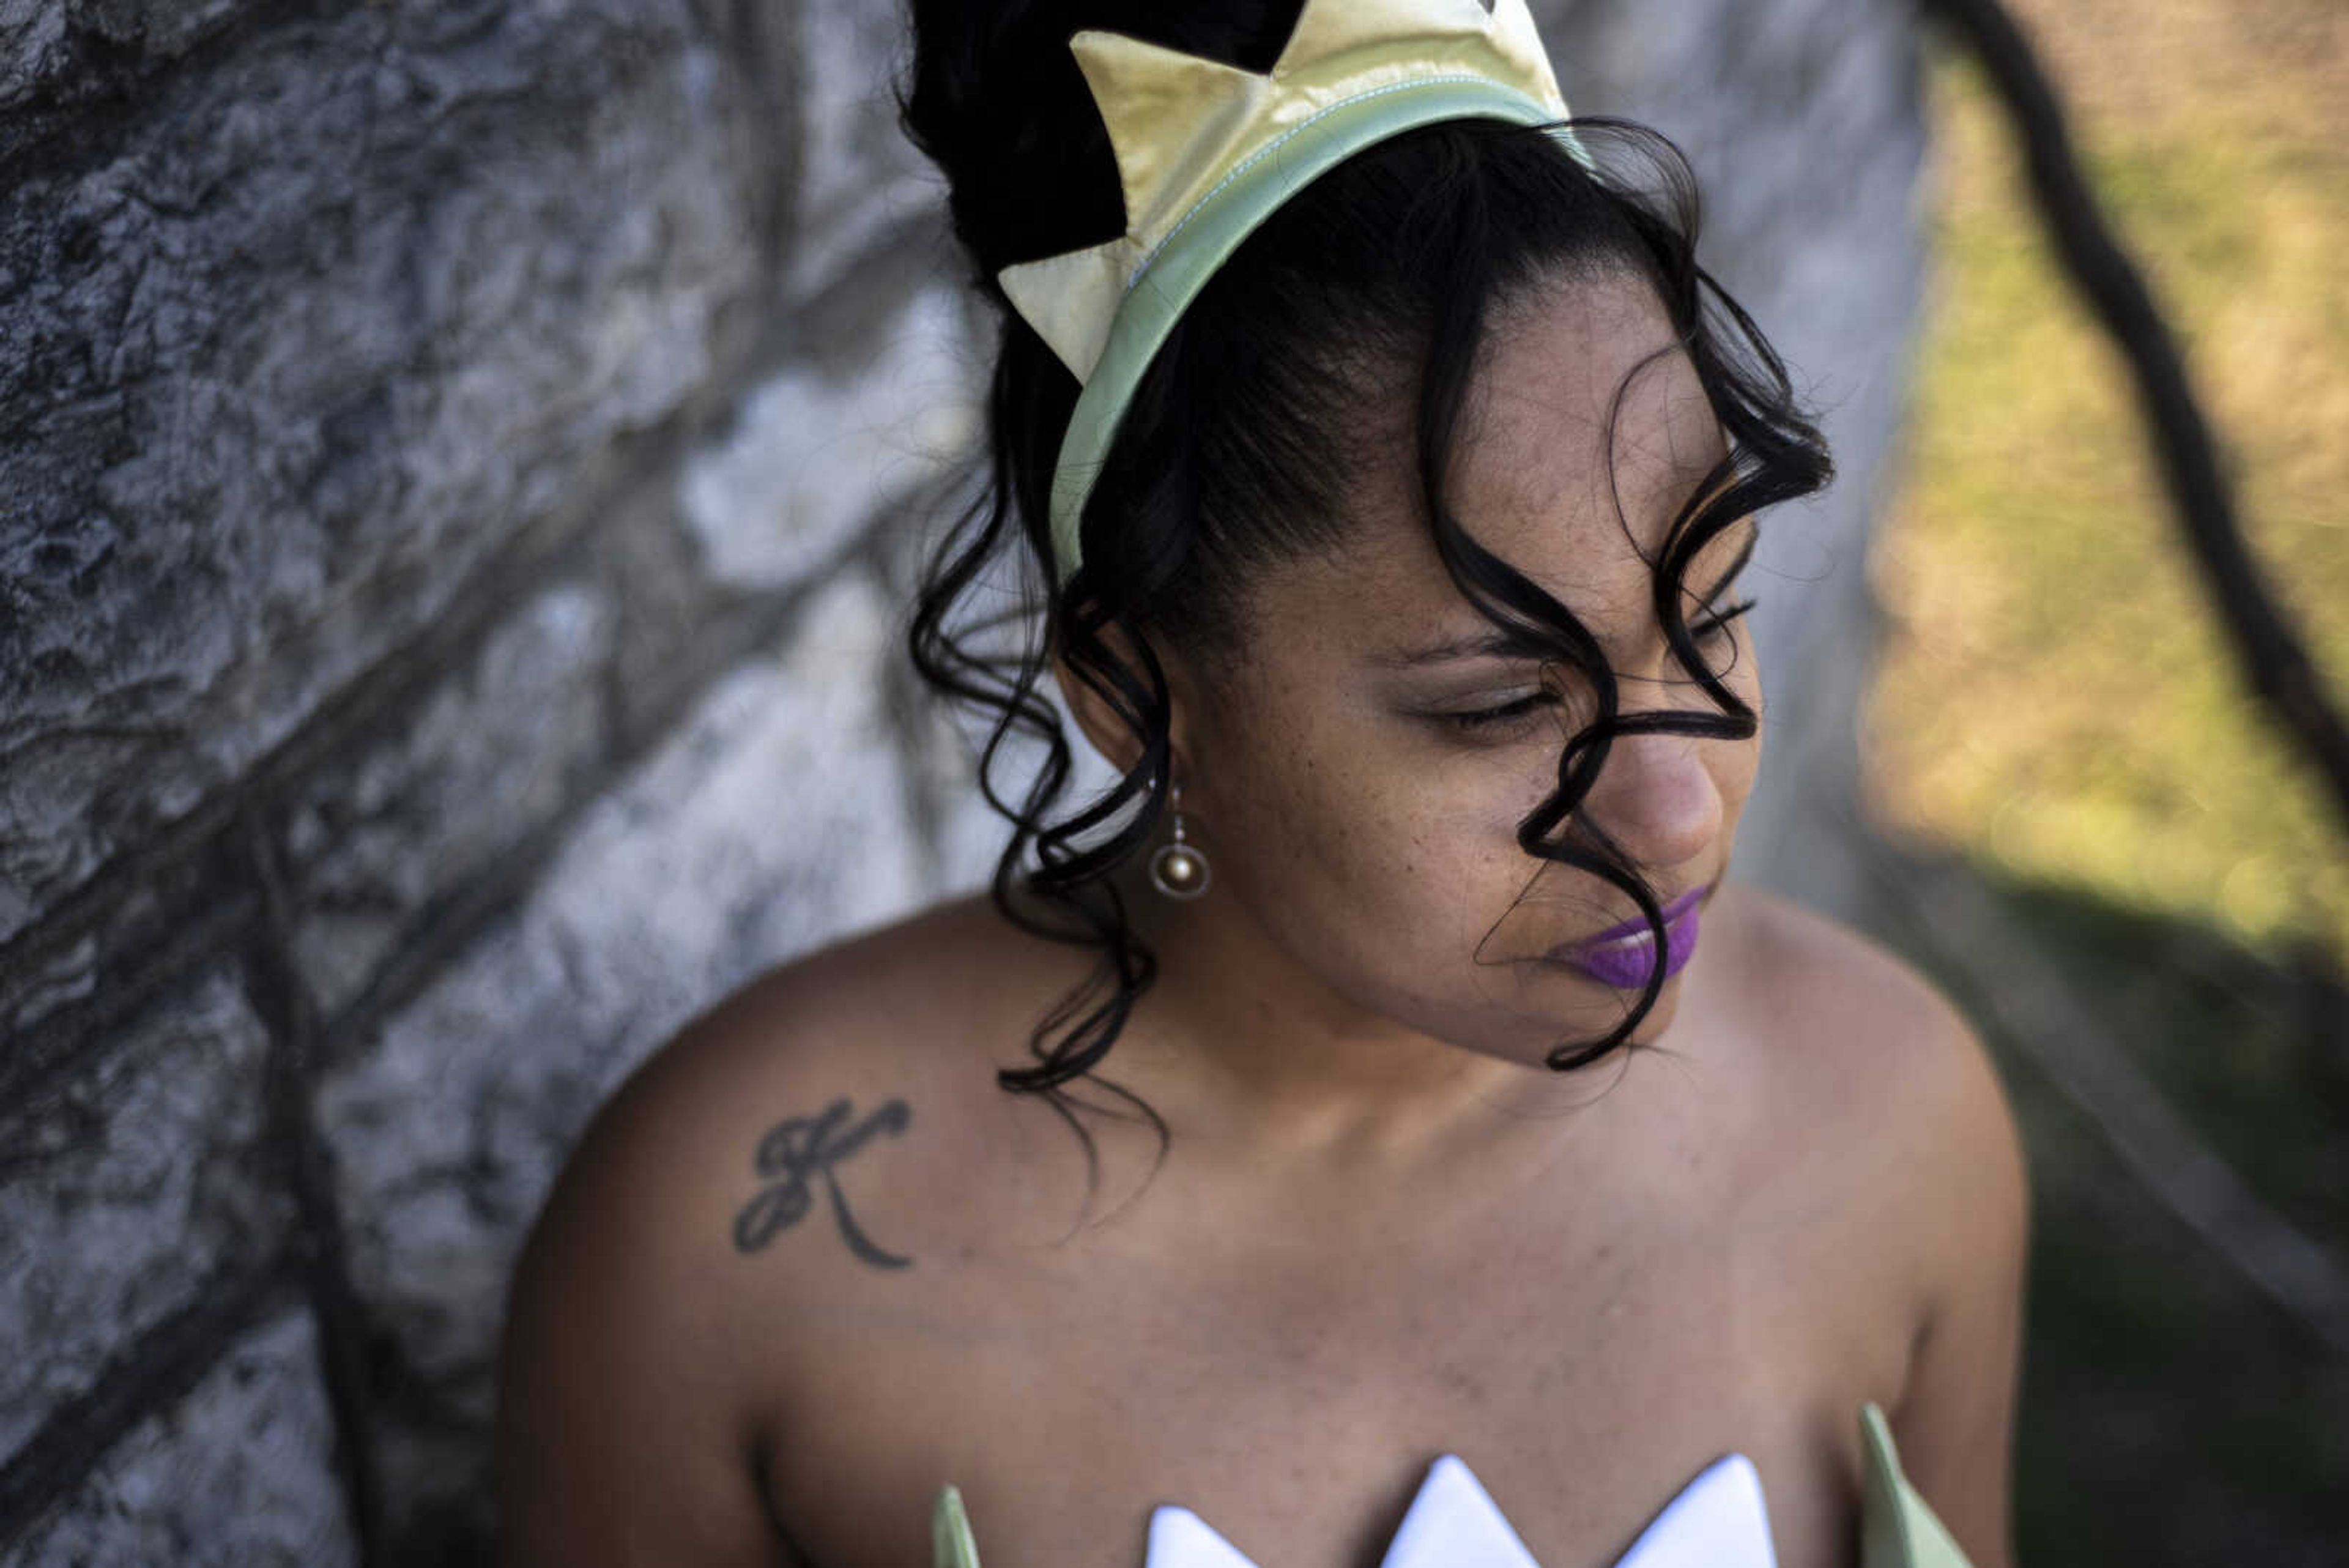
pixel 1487 721
pixel 1516 709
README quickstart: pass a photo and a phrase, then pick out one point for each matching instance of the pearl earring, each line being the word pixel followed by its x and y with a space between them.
pixel 1179 870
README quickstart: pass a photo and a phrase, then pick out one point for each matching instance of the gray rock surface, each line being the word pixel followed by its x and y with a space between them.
pixel 59 55
pixel 811 449
pixel 860 176
pixel 774 819
pixel 127 1190
pixel 493 754
pixel 315 336
pixel 237 1475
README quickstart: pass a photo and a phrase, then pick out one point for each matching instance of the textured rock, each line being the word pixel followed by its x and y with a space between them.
pixel 861 175
pixel 126 1189
pixel 493 754
pixel 774 819
pixel 319 331
pixel 813 448
pixel 57 56
pixel 238 1475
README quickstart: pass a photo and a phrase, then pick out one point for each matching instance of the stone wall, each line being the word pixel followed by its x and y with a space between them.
pixel 462 466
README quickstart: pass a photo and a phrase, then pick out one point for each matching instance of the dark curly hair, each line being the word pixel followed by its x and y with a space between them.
pixel 1383 273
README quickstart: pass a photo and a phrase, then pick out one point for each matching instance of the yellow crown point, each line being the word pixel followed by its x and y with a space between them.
pixel 1328 28
pixel 1145 93
pixel 1180 126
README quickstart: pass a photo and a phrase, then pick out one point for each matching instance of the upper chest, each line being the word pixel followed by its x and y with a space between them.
pixel 1729 1268
pixel 1294 1392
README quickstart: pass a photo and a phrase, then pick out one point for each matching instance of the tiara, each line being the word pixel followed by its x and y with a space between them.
pixel 1207 152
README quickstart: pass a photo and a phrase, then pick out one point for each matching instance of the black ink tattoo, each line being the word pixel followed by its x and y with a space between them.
pixel 805 1146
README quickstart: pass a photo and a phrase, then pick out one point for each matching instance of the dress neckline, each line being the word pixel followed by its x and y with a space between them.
pixel 1898 1528
pixel 1717 1520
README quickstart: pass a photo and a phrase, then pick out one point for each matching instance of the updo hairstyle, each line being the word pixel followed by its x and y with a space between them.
pixel 1235 450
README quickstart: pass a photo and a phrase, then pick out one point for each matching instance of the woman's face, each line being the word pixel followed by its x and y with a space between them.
pixel 1358 773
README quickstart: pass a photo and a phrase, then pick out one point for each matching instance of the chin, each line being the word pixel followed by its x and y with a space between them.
pixel 1660 1018
pixel 1596 1022
pixel 1525 1037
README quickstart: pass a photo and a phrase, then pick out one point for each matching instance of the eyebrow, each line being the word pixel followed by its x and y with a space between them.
pixel 1495 643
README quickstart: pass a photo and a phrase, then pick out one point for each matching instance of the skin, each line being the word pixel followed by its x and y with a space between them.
pixel 809 1263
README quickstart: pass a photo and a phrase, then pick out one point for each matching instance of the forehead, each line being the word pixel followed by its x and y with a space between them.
pixel 1584 433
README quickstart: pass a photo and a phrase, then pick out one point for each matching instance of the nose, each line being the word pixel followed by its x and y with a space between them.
pixel 1658 798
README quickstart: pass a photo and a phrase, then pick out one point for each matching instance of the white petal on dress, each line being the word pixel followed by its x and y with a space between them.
pixel 1718 1521
pixel 1181 1539
pixel 1453 1522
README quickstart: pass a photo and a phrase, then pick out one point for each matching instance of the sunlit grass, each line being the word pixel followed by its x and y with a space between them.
pixel 2056 695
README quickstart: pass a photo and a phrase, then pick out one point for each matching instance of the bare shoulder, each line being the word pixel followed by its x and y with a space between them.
pixel 913 1000
pixel 1884 1097
pixel 1865 1035
pixel 1879 1055
pixel 788 1153
pixel 881 1047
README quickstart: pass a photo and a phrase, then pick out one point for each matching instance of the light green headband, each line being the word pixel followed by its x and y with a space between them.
pixel 1207 152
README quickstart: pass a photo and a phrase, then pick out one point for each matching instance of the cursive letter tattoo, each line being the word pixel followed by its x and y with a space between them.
pixel 805 1146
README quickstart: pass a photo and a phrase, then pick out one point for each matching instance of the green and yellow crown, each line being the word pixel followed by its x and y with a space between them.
pixel 1205 151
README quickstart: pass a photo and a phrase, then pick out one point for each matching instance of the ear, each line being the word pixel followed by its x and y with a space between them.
pixel 1096 713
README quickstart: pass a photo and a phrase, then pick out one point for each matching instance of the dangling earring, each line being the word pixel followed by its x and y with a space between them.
pixel 1179 870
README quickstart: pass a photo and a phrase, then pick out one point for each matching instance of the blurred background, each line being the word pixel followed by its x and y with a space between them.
pixel 465 465
pixel 2056 715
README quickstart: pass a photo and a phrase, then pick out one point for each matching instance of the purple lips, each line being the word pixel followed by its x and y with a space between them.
pixel 1625 964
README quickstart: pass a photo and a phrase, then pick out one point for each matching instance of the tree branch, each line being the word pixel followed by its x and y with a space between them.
pixel 2273 658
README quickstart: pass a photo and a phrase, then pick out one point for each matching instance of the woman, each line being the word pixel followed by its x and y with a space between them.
pixel 1403 1078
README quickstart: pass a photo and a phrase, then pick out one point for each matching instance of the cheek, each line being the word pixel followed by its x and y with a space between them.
pixel 1388 842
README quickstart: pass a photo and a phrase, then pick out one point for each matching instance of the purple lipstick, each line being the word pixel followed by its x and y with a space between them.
pixel 1622 955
